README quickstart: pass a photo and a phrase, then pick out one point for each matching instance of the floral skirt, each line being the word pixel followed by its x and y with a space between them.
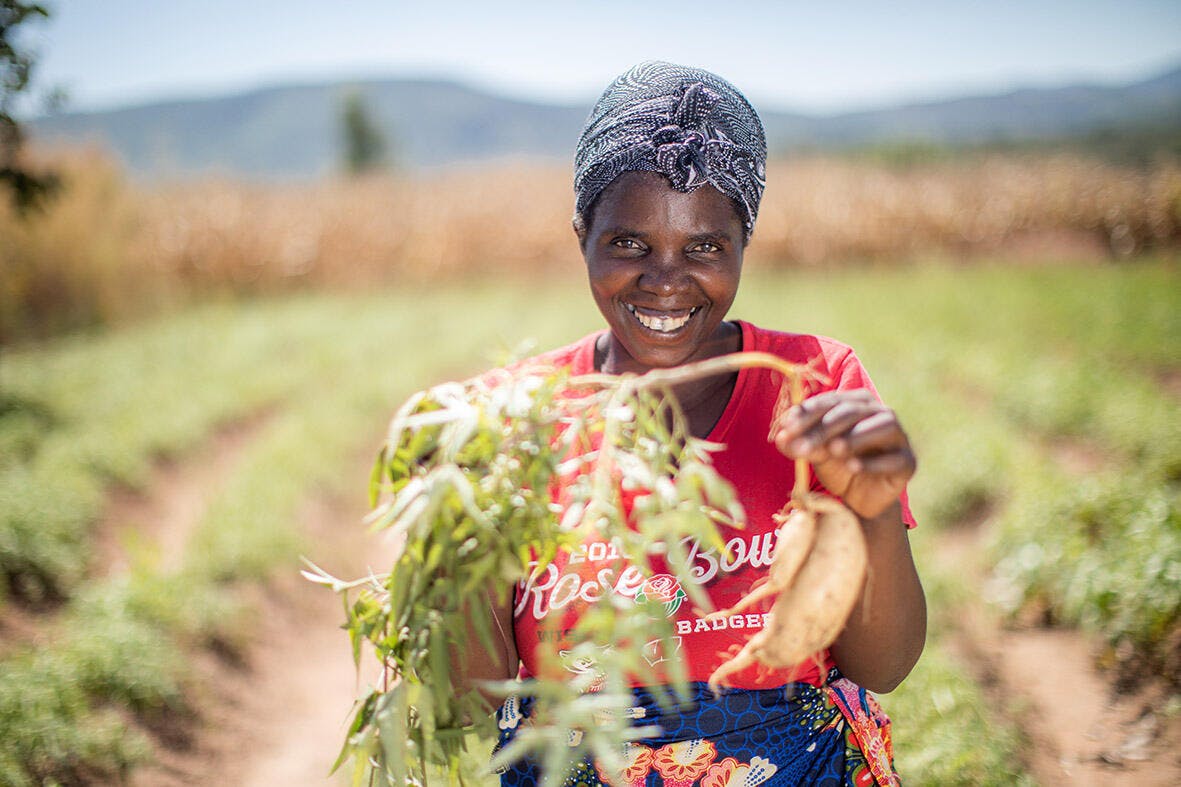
pixel 800 734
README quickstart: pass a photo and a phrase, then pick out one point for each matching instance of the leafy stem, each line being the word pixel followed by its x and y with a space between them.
pixel 485 482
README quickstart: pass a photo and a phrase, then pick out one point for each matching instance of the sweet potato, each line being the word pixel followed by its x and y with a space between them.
pixel 818 585
pixel 794 542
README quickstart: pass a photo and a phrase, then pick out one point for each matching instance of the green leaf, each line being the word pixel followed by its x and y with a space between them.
pixel 391 713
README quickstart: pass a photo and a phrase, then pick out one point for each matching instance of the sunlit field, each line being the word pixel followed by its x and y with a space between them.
pixel 1004 376
pixel 109 250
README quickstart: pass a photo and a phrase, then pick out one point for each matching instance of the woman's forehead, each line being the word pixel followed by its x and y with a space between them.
pixel 646 201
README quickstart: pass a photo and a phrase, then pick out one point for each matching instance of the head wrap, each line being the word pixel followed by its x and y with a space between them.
pixel 686 123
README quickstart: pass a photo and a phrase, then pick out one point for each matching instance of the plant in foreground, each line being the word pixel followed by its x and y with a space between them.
pixel 467 478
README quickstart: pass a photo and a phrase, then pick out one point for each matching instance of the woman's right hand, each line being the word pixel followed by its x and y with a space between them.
pixel 856 446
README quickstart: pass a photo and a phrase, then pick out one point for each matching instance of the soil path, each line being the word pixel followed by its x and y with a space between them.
pixel 1080 732
pixel 155 523
pixel 276 713
pixel 149 525
pixel 305 680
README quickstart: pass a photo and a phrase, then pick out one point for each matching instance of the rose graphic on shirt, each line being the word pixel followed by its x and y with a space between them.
pixel 586 666
pixel 663 589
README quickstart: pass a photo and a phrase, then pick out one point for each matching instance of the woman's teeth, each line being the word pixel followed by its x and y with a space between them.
pixel 664 324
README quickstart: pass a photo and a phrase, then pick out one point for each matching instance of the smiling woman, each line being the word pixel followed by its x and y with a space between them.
pixel 664 268
pixel 669 175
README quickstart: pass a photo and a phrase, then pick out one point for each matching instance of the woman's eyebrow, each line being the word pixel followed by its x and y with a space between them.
pixel 697 237
pixel 631 232
pixel 715 235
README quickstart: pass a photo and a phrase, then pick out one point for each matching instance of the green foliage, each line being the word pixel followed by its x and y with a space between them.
pixel 44 518
pixel 113 653
pixel 26 188
pixel 77 414
pixel 939 714
pixel 1094 399
pixel 364 143
pixel 81 414
pixel 998 372
pixel 964 458
pixel 103 408
pixel 1103 554
pixel 58 720
pixel 467 479
pixel 22 422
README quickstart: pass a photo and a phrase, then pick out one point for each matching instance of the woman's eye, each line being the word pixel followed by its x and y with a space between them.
pixel 707 248
pixel 626 243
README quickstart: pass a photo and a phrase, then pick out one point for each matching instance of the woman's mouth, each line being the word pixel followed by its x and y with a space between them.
pixel 662 321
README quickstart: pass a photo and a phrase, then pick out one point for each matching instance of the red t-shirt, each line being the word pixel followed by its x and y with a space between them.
pixel 545 607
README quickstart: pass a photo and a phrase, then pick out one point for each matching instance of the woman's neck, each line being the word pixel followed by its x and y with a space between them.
pixel 703 401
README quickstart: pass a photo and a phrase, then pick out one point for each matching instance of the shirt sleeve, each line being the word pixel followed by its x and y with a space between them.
pixel 850 375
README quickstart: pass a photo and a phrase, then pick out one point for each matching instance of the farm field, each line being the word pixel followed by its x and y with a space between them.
pixel 1043 403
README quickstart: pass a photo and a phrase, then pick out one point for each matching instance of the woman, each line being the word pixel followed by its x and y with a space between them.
pixel 669 175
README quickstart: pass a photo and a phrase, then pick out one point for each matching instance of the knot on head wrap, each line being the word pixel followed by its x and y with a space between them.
pixel 686 123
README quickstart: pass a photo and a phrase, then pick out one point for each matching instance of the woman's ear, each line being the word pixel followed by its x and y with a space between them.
pixel 579 225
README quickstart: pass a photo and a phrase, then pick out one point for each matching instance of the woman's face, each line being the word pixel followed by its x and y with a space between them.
pixel 664 268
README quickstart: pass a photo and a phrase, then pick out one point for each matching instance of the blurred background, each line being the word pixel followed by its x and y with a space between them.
pixel 234 236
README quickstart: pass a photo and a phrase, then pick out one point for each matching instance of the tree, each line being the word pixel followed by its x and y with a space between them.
pixel 26 189
pixel 364 143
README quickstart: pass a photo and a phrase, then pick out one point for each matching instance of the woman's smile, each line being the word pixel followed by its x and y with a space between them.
pixel 662 321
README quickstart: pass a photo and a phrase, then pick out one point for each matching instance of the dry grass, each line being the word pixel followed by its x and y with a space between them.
pixel 71 265
pixel 358 231
pixel 107 249
pixel 823 209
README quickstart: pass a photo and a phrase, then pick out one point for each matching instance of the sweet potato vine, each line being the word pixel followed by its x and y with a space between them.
pixel 467 479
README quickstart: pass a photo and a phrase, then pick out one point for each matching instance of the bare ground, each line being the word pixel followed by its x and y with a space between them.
pixel 278 715
pixel 154 524
pixel 149 525
pixel 1079 729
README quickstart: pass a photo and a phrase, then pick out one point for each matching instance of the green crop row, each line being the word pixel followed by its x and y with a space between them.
pixel 1103 554
pixel 991 369
pixel 1098 397
pixel 946 733
pixel 86 413
pixel 83 414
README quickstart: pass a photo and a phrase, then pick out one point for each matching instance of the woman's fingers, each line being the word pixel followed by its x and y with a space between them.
pixel 828 424
pixel 879 432
pixel 856 446
pixel 806 413
pixel 897 463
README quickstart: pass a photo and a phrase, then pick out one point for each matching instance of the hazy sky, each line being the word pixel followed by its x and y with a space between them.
pixel 810 56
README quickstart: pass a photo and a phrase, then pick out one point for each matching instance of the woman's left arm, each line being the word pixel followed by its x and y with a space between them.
pixel 860 453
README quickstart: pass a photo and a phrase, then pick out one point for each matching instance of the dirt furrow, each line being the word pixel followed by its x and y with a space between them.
pixel 148 525
pixel 1079 730
pixel 278 713
pixel 154 523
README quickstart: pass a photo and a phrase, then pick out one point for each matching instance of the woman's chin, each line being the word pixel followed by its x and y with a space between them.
pixel 639 349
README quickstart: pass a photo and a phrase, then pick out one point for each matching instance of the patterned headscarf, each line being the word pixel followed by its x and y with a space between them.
pixel 688 124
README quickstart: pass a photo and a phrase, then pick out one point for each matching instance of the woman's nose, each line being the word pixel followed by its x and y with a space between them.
pixel 663 275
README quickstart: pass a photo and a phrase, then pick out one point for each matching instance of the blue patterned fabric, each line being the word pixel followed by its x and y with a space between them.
pixel 795 735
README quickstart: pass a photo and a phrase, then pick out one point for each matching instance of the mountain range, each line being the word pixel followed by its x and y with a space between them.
pixel 294 131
